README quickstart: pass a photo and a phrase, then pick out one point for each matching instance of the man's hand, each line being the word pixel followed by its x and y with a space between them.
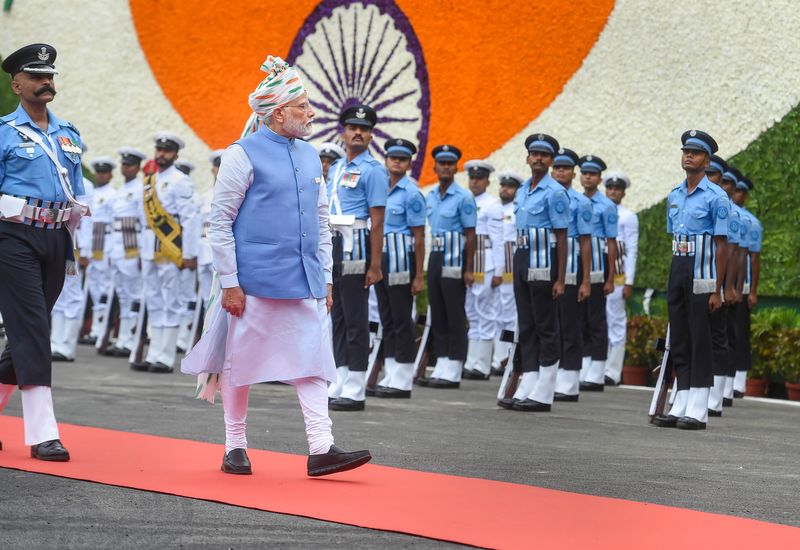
pixel 752 300
pixel 714 302
pixel 496 281
pixel 374 275
pixel 417 285
pixel 627 292
pixel 608 288
pixel 189 263
pixel 233 300
pixel 584 291
pixel 558 290
pixel 83 262
pixel 329 298
pixel 737 298
pixel 730 296
pixel 469 278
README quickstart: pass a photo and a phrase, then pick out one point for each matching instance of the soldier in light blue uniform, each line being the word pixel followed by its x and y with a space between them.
pixel 357 190
pixel 452 216
pixel 542 215
pixel 601 277
pixel 40 176
pixel 577 286
pixel 752 269
pixel 697 218
pixel 402 267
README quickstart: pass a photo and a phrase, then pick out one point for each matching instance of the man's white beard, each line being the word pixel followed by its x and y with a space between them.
pixel 296 128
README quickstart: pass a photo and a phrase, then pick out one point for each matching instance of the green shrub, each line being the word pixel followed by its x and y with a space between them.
pixel 640 349
pixel 775 343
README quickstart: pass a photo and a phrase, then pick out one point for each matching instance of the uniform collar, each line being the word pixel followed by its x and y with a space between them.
pixel 21 116
pixel 543 183
pixel 705 185
pixel 450 190
pixel 401 184
pixel 360 158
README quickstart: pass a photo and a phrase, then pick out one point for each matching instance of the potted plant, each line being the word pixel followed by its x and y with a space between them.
pixel 773 340
pixel 790 362
pixel 641 356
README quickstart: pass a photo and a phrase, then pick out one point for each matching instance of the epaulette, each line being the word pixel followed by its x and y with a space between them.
pixel 71 126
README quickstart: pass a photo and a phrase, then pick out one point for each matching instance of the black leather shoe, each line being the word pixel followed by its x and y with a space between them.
pixel 160 368
pixel 496 371
pixel 529 405
pixel 345 404
pixel 738 394
pixel 370 392
pixel 727 402
pixel 665 421
pixel 141 367
pixel 121 352
pixel 591 386
pixel 180 350
pixel 423 381
pixel 610 381
pixel 393 393
pixel 87 340
pixel 236 462
pixel 712 412
pixel 61 358
pixel 689 423
pixel 566 397
pixel 507 403
pixel 52 451
pixel 336 460
pixel 470 374
pixel 442 384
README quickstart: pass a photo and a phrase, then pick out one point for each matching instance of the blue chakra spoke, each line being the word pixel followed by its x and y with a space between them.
pixel 357 83
pixel 380 133
pixel 338 75
pixel 325 93
pixel 326 120
pixel 363 84
pixel 324 131
pixel 346 70
pixel 378 74
pixel 333 88
pixel 351 79
pixel 385 119
pixel 324 107
pixel 392 100
pixel 377 149
pixel 375 96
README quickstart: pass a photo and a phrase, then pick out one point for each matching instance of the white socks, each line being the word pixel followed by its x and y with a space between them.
pixel 596 373
pixel 545 385
pixel 567 382
pixel 715 395
pixel 679 406
pixel 616 357
pixel 740 381
pixel 526 384
pixel 355 385
pixel 389 368
pixel 585 366
pixel 452 370
pixel 697 405
pixel 335 389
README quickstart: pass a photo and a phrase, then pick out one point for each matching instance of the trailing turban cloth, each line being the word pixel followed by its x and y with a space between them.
pixel 281 85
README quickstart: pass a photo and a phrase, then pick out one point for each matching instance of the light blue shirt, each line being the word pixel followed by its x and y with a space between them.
pixel 455 211
pixel 26 170
pixel 405 208
pixel 604 216
pixel 363 183
pixel 704 211
pixel 745 222
pixel 546 205
pixel 756 232
pixel 580 208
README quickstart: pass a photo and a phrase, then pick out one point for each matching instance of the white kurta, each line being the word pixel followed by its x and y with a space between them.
pixel 274 339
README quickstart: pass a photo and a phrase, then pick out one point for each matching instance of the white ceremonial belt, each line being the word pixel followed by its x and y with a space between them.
pixel 484 241
pixel 344 224
pixel 17 210
pixel 684 245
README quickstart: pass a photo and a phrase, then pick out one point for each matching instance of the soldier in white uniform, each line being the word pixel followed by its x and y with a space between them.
pixel 127 212
pixel 169 243
pixel 480 303
pixel 67 315
pixel 504 296
pixel 98 272
pixel 329 153
pixel 627 250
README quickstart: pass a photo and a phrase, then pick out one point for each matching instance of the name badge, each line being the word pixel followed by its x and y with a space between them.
pixel 318 180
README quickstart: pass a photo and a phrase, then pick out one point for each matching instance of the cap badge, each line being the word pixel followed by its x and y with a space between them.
pixel 589 158
pixel 43 54
pixel 445 147
pixel 399 142
pixel 693 133
pixel 540 137
pixel 561 151
pixel 360 113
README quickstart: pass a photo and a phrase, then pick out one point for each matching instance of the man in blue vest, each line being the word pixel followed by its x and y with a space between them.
pixel 40 176
pixel 357 189
pixel 271 245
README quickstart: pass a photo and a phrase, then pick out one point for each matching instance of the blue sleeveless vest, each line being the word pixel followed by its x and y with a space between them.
pixel 277 229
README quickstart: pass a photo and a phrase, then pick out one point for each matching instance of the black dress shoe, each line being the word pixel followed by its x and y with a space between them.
pixel 738 394
pixel 610 381
pixel 423 381
pixel 393 393
pixel 442 384
pixel 336 460
pixel 727 402
pixel 180 349
pixel 665 421
pixel 120 352
pixel 712 412
pixel 61 358
pixel 87 340
pixel 689 423
pixel 236 462
pixel 160 368
pixel 497 372
pixel 345 404
pixel 507 403
pixel 470 374
pixel 370 392
pixel 52 451
pixel 529 405
pixel 141 367
pixel 591 386
pixel 566 397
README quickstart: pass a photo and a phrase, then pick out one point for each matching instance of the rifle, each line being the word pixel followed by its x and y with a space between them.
pixel 140 336
pixel 664 382
pixel 508 384
pixel 108 321
pixel 421 360
pixel 373 366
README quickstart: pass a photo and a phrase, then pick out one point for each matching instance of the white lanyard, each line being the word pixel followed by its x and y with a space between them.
pixel 337 176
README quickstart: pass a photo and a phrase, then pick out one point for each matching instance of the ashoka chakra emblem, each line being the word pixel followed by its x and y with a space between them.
pixel 364 51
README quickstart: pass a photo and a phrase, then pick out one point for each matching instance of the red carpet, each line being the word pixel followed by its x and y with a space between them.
pixel 465 510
